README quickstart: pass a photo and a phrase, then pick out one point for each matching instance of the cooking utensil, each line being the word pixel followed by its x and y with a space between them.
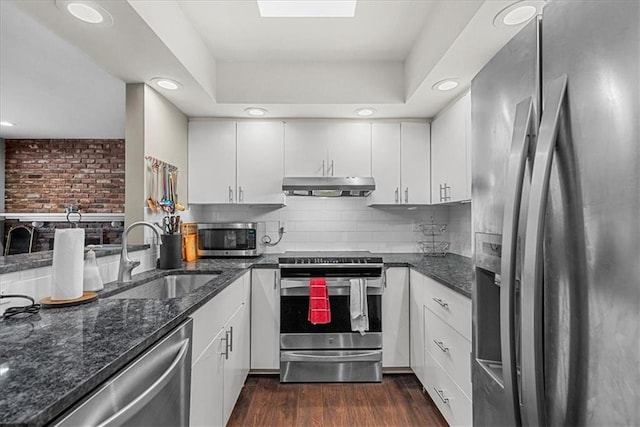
pixel 179 206
pixel 171 224
pixel 152 174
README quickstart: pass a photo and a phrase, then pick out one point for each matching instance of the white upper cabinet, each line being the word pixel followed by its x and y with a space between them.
pixel 415 163
pixel 349 149
pixel 385 163
pixel 305 149
pixel 327 149
pixel 400 163
pixel 260 162
pixel 450 145
pixel 212 161
pixel 233 162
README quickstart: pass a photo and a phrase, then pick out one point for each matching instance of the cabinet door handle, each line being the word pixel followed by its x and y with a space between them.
pixel 230 338
pixel 440 394
pixel 441 345
pixel 230 195
pixel 275 280
pixel 447 192
pixel 240 195
pixel 441 196
pixel 226 344
pixel 406 195
pixel 323 172
pixel 397 195
pixel 331 168
pixel 441 302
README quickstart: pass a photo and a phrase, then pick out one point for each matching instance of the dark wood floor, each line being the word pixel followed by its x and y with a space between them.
pixel 397 401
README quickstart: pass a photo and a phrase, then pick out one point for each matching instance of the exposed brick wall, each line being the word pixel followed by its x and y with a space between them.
pixel 46 175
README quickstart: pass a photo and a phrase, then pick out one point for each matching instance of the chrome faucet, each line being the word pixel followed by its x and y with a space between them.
pixel 126 264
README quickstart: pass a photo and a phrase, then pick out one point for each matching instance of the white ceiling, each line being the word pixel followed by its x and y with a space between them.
pixel 64 78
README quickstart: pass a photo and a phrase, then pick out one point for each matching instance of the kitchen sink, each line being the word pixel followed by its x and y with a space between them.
pixel 172 286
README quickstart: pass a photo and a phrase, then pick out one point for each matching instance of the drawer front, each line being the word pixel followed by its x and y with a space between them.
pixel 211 317
pixel 450 400
pixel 450 306
pixel 450 349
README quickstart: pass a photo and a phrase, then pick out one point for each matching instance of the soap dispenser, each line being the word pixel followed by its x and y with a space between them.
pixel 92 281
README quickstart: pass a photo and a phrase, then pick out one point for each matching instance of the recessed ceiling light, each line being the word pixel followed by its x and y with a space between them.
pixel 85 11
pixel 8 124
pixel 255 111
pixel 518 13
pixel 165 83
pixel 307 8
pixel 447 84
pixel 365 112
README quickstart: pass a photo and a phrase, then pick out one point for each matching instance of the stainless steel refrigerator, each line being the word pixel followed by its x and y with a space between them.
pixel 556 214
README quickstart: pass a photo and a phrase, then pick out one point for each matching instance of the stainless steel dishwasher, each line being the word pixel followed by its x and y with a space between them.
pixel 153 390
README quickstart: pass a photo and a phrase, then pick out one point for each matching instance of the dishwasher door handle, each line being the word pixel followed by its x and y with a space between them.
pixel 139 402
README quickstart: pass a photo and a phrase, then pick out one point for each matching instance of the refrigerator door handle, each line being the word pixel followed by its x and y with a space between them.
pixel 523 130
pixel 534 410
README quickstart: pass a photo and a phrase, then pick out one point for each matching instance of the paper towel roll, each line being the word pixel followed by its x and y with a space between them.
pixel 68 264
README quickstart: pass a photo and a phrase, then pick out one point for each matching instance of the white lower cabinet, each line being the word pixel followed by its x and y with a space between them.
pixel 453 404
pixel 220 354
pixel 416 323
pixel 265 319
pixel 441 347
pixel 395 319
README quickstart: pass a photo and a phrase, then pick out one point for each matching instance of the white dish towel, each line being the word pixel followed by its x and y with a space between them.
pixel 358 306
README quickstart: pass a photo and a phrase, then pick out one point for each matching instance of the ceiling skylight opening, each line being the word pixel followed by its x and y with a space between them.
pixel 307 8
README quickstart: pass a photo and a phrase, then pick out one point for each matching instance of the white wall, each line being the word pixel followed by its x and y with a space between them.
pixel 460 229
pixel 330 224
pixel 157 128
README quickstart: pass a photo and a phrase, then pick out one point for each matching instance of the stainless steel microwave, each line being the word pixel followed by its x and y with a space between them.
pixel 230 239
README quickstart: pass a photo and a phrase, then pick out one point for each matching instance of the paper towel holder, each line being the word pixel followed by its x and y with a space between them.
pixel 73 208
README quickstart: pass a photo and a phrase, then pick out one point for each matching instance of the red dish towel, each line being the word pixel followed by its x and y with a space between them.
pixel 319 310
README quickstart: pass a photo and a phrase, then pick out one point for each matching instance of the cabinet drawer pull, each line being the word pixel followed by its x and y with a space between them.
pixel 440 394
pixel 442 303
pixel 441 345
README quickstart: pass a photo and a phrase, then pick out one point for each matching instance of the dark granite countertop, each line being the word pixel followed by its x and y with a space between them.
pixel 52 359
pixel 20 262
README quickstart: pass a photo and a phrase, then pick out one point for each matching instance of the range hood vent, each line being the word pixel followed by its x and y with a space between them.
pixel 328 186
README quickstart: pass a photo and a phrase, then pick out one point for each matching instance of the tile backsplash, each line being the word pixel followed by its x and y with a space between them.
pixel 335 224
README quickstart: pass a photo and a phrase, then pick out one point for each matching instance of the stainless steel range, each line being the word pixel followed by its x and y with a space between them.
pixel 330 352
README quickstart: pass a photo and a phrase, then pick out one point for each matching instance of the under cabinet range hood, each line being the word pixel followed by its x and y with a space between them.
pixel 328 186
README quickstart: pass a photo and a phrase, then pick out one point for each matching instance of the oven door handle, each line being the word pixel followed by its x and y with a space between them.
pixel 289 356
